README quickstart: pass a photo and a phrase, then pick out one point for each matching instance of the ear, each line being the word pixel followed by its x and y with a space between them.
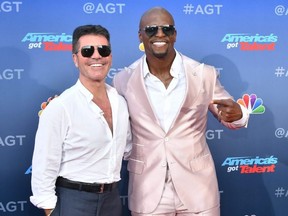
pixel 75 59
pixel 174 36
pixel 140 37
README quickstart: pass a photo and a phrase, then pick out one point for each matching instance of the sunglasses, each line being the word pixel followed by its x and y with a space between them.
pixel 168 30
pixel 103 50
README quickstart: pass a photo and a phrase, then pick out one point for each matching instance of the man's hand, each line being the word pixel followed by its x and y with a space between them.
pixel 228 110
pixel 48 211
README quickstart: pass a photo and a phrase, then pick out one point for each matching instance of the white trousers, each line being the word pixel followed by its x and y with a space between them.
pixel 171 205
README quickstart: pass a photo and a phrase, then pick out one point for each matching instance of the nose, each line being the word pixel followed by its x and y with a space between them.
pixel 96 54
pixel 160 32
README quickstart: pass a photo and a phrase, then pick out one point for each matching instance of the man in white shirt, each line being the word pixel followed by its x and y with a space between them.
pixel 171 169
pixel 81 137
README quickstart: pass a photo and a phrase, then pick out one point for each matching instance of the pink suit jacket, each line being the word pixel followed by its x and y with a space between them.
pixel 183 148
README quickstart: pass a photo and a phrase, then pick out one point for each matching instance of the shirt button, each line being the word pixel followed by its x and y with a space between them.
pixel 163 164
pixel 166 139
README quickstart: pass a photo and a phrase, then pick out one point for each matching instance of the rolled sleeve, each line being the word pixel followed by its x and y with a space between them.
pixel 47 155
pixel 44 202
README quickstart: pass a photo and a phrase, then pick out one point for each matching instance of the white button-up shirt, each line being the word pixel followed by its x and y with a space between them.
pixel 74 141
pixel 166 102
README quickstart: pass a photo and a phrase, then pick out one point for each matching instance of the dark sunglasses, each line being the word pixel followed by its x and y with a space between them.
pixel 103 50
pixel 168 30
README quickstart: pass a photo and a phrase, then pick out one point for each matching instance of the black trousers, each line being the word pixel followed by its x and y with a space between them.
pixel 80 203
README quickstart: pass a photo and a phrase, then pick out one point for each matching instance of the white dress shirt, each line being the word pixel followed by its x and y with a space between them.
pixel 74 141
pixel 166 102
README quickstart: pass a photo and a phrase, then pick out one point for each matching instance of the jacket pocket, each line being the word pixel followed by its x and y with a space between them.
pixel 201 163
pixel 135 166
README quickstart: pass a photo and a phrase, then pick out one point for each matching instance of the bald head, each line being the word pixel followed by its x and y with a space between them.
pixel 154 14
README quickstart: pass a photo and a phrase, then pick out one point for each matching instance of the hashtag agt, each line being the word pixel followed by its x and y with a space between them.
pixel 280 192
pixel 281 72
pixel 202 9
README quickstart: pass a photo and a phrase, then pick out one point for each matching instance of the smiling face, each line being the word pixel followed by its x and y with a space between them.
pixel 158 45
pixel 95 68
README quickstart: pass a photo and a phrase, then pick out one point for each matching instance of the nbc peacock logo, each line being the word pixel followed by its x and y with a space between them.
pixel 252 103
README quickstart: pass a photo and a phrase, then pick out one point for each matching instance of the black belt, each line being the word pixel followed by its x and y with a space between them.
pixel 82 186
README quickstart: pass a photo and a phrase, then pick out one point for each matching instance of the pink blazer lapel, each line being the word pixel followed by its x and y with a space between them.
pixel 138 90
pixel 194 82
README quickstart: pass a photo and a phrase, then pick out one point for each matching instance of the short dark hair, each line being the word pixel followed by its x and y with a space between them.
pixel 88 30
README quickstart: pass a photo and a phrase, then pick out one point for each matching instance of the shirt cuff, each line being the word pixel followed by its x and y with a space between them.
pixel 243 122
pixel 44 202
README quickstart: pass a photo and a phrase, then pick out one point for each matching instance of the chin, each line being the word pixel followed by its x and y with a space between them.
pixel 160 55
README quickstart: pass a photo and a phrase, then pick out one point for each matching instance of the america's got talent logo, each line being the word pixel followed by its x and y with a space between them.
pixel 48 41
pixel 250 42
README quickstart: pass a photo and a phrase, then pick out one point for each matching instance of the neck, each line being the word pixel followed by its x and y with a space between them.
pixel 98 89
pixel 159 66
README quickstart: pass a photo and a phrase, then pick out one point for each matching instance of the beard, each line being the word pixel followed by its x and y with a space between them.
pixel 160 55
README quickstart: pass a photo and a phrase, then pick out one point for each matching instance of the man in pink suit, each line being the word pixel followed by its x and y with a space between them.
pixel 171 170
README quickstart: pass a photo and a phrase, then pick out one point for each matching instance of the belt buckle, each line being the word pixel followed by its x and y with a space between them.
pixel 101 188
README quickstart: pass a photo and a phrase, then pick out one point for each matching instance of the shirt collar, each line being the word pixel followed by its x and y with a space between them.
pixel 88 95
pixel 175 68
